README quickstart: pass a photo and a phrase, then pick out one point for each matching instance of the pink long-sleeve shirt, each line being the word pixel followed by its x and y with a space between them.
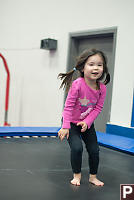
pixel 83 103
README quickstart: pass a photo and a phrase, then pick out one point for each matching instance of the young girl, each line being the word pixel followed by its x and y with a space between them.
pixel 83 104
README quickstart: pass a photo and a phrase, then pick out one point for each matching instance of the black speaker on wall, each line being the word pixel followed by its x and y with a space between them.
pixel 49 44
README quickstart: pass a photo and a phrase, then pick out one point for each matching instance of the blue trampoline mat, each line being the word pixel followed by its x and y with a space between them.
pixel 120 143
pixel 116 142
pixel 29 131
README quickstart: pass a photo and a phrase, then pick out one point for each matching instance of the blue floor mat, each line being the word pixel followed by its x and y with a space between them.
pixel 29 131
pixel 116 142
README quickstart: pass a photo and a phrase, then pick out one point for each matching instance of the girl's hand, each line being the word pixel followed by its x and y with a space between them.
pixel 83 125
pixel 62 133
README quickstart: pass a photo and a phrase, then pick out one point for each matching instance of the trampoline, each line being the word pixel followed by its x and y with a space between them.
pixel 39 168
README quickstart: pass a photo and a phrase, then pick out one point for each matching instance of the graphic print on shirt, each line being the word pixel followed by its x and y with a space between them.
pixel 86 107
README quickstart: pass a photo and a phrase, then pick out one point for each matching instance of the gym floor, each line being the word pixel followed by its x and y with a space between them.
pixel 32 169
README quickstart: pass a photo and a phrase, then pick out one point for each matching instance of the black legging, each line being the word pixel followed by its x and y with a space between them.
pixel 75 142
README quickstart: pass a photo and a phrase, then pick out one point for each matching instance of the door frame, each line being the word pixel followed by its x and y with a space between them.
pixel 73 46
pixel 74 36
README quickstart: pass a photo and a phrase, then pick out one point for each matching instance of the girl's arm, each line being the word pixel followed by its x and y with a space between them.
pixel 98 108
pixel 69 104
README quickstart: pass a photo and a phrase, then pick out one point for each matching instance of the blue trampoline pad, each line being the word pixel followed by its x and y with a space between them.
pixel 116 142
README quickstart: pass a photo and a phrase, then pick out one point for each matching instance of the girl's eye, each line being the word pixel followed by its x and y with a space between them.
pixel 90 64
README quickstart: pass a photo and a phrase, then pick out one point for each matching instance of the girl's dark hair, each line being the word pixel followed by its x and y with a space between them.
pixel 67 78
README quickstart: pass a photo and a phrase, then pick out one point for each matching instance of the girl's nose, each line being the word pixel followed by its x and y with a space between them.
pixel 95 66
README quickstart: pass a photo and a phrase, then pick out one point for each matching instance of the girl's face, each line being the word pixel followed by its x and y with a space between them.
pixel 93 68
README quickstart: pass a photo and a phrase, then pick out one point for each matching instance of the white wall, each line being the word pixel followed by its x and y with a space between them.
pixel 35 98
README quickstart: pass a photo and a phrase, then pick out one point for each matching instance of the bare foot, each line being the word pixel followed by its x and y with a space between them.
pixel 95 181
pixel 76 179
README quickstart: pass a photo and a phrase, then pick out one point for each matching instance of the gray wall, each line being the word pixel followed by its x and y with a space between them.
pixel 35 99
